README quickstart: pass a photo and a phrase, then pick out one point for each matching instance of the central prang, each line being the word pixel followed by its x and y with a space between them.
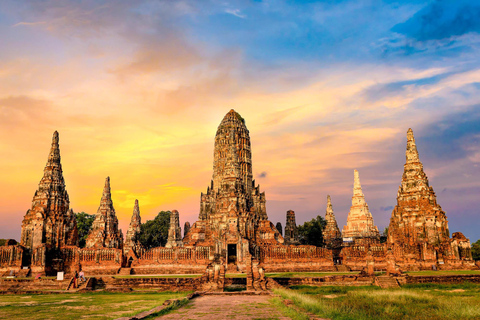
pixel 233 216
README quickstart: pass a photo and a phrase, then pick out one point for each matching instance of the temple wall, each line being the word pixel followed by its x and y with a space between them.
pixel 172 260
pixel 10 259
pixel 296 258
pixel 355 257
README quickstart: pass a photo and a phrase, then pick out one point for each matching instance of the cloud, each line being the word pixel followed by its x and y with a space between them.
pixel 442 20
pixel 236 13
pixel 263 174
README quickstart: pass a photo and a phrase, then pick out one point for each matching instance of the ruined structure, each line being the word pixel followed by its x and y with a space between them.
pixel 360 228
pixel 233 215
pixel 418 231
pixel 233 233
pixel 105 232
pixel 174 231
pixel 331 234
pixel 291 232
pixel 131 242
pixel 50 222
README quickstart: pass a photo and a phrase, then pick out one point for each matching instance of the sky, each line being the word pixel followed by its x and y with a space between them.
pixel 137 89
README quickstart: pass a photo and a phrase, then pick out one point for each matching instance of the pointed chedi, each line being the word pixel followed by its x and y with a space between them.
pixel 418 229
pixel 131 241
pixel 332 236
pixel 291 231
pixel 104 231
pixel 360 228
pixel 50 222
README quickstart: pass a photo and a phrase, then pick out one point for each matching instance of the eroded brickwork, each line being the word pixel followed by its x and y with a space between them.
pixel 174 231
pixel 291 231
pixel 131 242
pixel 50 221
pixel 360 228
pixel 105 232
pixel 331 234
pixel 418 232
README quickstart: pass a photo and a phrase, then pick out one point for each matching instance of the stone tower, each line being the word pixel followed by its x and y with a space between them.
pixel 360 228
pixel 331 234
pixel 174 231
pixel 418 227
pixel 105 232
pixel 291 232
pixel 133 229
pixel 232 214
pixel 50 222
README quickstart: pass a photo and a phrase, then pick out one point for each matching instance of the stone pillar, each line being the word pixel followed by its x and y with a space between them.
pixel 291 232
pixel 174 231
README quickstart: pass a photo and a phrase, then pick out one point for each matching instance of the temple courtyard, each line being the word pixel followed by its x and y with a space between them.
pixel 446 295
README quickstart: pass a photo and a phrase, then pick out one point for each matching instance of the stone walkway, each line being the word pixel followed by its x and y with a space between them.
pixel 215 307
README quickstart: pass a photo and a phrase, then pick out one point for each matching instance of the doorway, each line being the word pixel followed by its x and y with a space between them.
pixel 232 253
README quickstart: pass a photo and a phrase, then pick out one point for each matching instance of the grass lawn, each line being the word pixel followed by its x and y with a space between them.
pixel 442 272
pixel 95 305
pixel 307 274
pixel 422 302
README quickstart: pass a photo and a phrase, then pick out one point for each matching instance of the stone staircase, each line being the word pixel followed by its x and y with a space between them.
pixel 23 273
pixel 125 271
pixel 386 282
pixel 232 268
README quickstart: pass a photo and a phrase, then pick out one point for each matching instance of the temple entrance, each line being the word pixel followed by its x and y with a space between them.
pixel 129 262
pixel 232 253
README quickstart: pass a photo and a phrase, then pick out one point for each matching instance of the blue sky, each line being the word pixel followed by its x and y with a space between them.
pixel 326 87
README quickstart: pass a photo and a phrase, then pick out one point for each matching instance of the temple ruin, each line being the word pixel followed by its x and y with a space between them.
pixel 233 233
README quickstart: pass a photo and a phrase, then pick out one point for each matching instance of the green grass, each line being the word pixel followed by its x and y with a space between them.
pixel 422 302
pixel 287 311
pixel 95 305
pixel 177 304
pixel 442 272
pixel 307 274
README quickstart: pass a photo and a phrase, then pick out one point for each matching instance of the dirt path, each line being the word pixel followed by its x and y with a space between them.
pixel 213 307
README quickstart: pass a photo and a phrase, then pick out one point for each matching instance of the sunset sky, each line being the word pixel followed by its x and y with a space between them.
pixel 136 90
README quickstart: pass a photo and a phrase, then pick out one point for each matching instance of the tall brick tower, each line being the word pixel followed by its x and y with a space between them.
pixel 50 222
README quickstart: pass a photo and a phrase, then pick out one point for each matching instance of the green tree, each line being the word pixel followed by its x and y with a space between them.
pixel 311 231
pixel 154 233
pixel 384 235
pixel 476 250
pixel 84 224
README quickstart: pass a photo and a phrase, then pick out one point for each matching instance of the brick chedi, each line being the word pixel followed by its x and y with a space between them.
pixel 50 222
pixel 134 229
pixel 418 230
pixel 331 234
pixel 360 228
pixel 232 211
pixel 174 231
pixel 291 231
pixel 105 232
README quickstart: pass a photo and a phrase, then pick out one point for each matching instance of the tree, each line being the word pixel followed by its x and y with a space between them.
pixel 476 250
pixel 311 231
pixel 279 228
pixel 84 224
pixel 384 235
pixel 154 233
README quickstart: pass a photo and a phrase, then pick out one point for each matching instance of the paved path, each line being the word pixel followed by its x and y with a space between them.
pixel 215 307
